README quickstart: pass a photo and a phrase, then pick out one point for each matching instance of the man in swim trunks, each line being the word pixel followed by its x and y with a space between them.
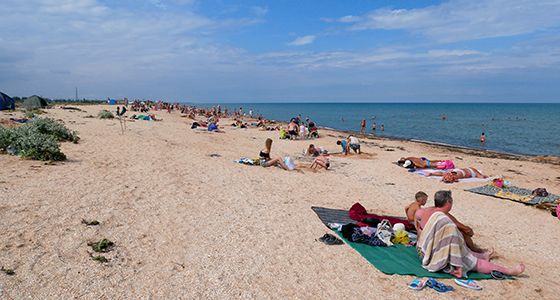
pixel 354 144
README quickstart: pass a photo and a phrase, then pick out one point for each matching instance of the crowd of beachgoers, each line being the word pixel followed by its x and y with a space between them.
pixel 443 242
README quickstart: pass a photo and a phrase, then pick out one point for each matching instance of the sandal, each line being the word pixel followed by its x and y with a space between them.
pixel 498 275
pixel 330 239
pixel 469 284
pixel 417 284
pixel 438 286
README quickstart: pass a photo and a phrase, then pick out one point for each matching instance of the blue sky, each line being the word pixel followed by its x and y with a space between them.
pixel 275 51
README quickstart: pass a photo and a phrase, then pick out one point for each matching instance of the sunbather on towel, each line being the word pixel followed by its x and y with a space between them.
pixel 441 245
pixel 454 175
pixel 265 159
pixel 424 163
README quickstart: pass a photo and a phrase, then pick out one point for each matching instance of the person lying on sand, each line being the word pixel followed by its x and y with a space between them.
pixel 424 163
pixel 321 161
pixel 441 245
pixel 454 175
pixel 265 159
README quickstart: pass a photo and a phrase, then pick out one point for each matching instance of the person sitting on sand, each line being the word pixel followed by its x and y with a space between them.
pixel 410 210
pixel 312 151
pixel 321 161
pixel 441 246
pixel 354 144
pixel 292 129
pixel 424 163
pixel 265 159
pixel 454 175
pixel 343 144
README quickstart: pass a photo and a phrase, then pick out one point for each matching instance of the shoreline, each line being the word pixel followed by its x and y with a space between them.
pixel 187 221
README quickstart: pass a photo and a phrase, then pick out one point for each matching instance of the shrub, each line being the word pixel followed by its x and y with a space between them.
pixel 105 114
pixel 37 139
pixel 30 143
pixel 51 127
pixel 7 138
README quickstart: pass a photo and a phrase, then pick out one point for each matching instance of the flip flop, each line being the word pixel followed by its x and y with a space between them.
pixel 438 286
pixel 497 275
pixel 469 284
pixel 417 284
pixel 330 239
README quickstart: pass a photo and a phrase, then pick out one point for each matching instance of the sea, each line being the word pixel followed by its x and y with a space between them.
pixel 516 128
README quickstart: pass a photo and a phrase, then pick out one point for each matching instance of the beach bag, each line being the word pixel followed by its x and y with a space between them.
pixel 540 192
pixel 289 163
pixel 384 232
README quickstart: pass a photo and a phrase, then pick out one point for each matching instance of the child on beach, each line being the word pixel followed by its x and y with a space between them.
pixel 344 145
pixel 410 210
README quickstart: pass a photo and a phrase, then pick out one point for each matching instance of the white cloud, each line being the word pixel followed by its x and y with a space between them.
pixel 344 19
pixel 259 11
pixel 302 40
pixel 459 20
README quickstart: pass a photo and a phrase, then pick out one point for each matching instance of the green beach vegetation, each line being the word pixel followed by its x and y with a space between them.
pixel 38 139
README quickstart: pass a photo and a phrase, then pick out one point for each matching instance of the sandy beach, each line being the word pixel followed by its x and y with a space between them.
pixel 189 223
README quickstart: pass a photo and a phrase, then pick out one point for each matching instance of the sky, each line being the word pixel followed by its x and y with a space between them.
pixel 283 50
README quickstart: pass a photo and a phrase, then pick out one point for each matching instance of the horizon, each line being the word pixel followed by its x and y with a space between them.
pixel 267 52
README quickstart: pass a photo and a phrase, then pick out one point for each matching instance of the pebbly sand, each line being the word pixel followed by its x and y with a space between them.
pixel 190 225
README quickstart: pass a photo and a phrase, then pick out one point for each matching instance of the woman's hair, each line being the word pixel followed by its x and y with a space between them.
pixel 268 144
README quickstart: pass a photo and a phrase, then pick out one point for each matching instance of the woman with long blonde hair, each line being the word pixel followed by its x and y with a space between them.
pixel 266 161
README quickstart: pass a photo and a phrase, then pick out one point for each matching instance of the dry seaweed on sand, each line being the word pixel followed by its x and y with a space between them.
pixel 9 272
pixel 102 246
pixel 100 258
pixel 90 223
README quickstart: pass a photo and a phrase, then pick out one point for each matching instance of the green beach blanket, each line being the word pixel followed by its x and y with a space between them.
pixel 397 259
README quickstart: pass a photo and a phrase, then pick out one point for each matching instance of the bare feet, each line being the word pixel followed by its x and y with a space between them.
pixel 517 270
pixel 457 272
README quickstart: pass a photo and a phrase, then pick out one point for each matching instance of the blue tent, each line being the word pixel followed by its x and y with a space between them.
pixel 6 102
pixel 112 101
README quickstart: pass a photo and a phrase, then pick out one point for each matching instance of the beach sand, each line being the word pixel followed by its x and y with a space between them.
pixel 190 225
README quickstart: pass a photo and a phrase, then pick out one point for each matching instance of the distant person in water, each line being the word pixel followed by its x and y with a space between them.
pixel 363 126
pixel 382 127
pixel 373 126
pixel 482 138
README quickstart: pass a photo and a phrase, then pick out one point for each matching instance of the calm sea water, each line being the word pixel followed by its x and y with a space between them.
pixel 512 128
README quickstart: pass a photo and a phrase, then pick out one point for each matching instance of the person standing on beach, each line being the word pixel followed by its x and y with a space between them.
pixel 250 113
pixel 482 138
pixel 363 126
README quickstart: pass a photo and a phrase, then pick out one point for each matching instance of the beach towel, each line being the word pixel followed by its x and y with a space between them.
pixel 441 245
pixel 423 172
pixel 397 259
pixel 358 213
pixel 514 193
